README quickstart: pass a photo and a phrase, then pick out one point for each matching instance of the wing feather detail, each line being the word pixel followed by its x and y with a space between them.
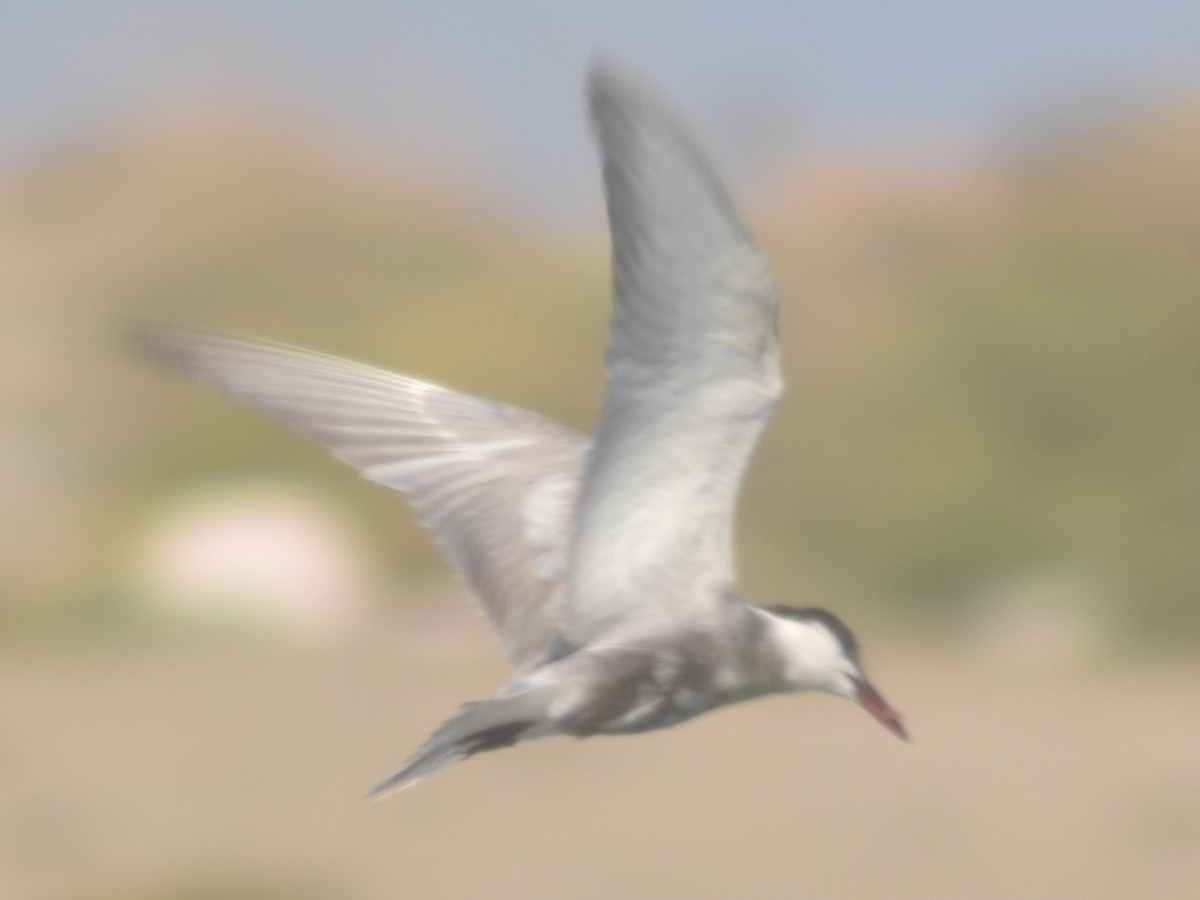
pixel 495 484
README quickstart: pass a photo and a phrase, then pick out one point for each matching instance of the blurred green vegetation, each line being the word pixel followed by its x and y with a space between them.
pixel 993 375
pixel 1018 397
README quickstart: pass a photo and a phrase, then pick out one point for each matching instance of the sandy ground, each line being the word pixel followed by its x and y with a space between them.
pixel 233 769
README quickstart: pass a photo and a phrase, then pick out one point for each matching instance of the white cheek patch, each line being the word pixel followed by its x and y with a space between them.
pixel 814 659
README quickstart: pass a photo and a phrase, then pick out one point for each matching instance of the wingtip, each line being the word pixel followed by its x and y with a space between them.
pixel 154 342
pixel 604 73
pixel 138 338
pixel 179 348
pixel 610 84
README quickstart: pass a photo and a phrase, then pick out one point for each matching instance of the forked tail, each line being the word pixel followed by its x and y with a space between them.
pixel 478 726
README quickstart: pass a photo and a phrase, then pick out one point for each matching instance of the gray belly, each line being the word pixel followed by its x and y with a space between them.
pixel 624 691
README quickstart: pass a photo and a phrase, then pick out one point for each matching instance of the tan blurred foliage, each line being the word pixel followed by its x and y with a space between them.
pixel 993 374
pixel 991 431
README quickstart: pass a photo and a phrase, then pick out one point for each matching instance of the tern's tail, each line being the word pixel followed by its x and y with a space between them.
pixel 483 725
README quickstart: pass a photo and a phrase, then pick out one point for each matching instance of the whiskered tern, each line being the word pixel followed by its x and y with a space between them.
pixel 605 565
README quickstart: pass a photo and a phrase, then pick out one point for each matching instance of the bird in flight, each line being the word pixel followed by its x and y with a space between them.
pixel 605 565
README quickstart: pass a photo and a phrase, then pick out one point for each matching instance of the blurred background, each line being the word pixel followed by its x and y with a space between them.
pixel 985 223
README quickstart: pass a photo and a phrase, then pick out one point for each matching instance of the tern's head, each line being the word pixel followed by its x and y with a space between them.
pixel 819 653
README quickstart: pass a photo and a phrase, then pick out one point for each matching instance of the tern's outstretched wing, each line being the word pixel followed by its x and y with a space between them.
pixel 495 484
pixel 693 375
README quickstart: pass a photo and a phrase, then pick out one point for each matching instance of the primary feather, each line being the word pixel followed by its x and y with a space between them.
pixel 495 484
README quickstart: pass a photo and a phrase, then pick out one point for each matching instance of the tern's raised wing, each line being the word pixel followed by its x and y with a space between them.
pixel 693 375
pixel 495 484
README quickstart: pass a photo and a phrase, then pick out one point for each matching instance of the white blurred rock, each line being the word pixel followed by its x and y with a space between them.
pixel 255 555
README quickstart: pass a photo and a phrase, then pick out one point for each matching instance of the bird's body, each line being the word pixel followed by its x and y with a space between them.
pixel 604 565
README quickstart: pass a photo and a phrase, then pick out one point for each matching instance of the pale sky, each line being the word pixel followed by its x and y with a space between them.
pixel 492 90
